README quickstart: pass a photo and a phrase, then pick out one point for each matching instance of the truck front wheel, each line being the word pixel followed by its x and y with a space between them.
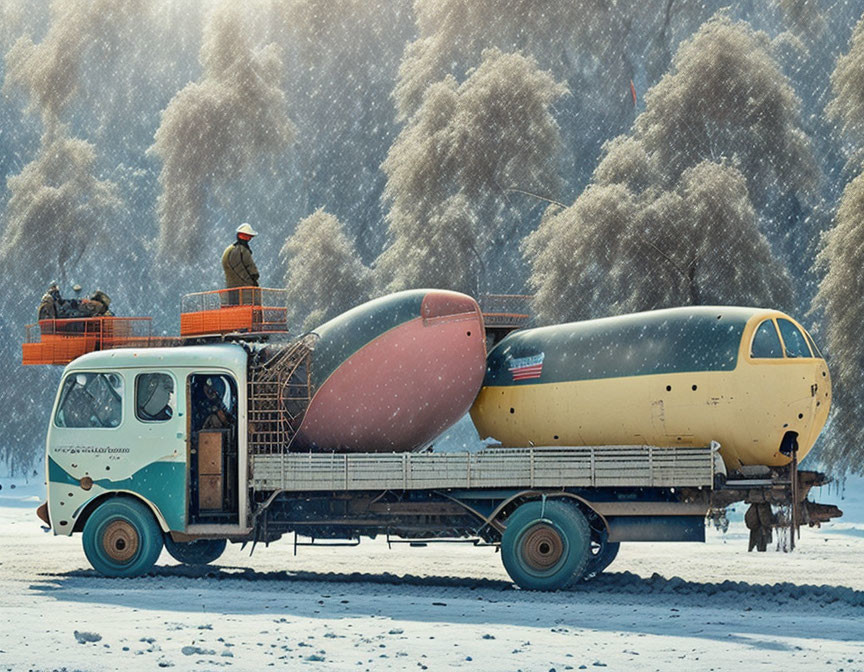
pixel 546 546
pixel 198 552
pixel 122 538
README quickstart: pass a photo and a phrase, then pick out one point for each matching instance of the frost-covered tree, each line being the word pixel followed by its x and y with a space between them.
pixel 640 236
pixel 619 249
pixel 213 129
pixel 841 296
pixel 601 45
pixel 452 34
pixel 343 55
pixel 14 17
pixel 440 251
pixel 323 273
pixel 804 17
pixel 50 70
pixel 726 97
pixel 450 167
pixel 57 209
pixel 846 107
pixel 598 48
pixel 58 205
pixel 841 291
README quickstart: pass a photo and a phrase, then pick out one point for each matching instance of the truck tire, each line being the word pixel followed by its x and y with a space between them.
pixel 198 552
pixel 546 546
pixel 602 556
pixel 122 538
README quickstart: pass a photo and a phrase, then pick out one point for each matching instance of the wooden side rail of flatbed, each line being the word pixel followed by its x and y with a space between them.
pixel 577 466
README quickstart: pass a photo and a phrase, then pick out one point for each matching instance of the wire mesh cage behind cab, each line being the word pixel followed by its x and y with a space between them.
pixel 280 389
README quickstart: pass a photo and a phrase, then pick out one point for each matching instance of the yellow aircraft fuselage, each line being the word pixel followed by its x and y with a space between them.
pixel 676 377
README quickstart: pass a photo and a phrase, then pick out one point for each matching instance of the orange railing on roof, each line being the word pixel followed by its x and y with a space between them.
pixel 61 341
pixel 241 309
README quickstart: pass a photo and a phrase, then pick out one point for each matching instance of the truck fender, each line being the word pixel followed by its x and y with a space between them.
pixel 587 508
pixel 84 511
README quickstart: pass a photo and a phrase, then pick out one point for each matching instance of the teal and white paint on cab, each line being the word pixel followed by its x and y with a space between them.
pixel 120 425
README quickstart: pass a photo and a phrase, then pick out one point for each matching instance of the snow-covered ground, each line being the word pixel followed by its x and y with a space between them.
pixel 662 606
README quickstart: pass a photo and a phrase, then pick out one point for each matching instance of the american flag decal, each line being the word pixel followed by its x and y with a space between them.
pixel 526 368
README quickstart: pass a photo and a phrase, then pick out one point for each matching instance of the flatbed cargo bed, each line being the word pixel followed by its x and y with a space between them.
pixel 556 467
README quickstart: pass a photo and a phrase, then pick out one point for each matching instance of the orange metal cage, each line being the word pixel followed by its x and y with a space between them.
pixel 61 341
pixel 240 309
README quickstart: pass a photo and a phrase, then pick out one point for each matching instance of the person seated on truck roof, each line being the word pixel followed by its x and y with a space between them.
pixel 55 307
pixel 240 269
pixel 96 305
pixel 49 306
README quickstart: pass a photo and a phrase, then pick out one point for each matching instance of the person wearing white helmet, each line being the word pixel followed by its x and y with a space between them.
pixel 240 269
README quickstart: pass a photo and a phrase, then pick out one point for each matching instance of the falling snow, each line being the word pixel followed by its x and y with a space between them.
pixel 606 158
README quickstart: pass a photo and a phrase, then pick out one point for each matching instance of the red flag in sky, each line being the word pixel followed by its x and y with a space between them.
pixel 633 92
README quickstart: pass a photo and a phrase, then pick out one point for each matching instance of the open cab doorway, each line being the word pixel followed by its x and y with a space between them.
pixel 213 449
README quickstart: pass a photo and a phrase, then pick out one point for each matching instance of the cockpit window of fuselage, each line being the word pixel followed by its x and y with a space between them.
pixel 816 352
pixel 793 339
pixel 766 343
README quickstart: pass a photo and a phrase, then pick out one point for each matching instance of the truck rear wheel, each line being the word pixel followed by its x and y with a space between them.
pixel 198 552
pixel 546 546
pixel 122 538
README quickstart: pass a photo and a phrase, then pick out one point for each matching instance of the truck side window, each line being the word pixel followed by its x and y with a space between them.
pixel 90 400
pixel 793 339
pixel 766 343
pixel 154 397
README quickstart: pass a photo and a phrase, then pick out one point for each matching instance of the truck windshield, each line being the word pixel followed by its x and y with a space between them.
pixel 90 400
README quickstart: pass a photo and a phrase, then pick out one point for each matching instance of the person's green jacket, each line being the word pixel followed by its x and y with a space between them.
pixel 240 269
pixel 47 308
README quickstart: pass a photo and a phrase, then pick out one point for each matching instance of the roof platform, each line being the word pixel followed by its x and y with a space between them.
pixel 61 341
pixel 251 310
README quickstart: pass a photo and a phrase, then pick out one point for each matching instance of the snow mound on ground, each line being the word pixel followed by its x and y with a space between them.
pixel 87 637
pixel 777 593
pixel 603 588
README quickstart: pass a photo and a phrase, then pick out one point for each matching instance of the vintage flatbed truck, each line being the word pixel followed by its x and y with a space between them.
pixel 173 446
pixel 238 431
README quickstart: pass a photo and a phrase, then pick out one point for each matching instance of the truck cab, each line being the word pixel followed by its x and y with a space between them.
pixel 165 426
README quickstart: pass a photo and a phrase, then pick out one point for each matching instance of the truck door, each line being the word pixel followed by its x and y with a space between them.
pixel 155 435
pixel 213 441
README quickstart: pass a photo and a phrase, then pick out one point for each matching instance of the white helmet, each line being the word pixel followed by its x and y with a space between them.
pixel 247 229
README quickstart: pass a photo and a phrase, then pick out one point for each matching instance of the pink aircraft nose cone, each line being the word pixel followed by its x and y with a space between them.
pixel 417 370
